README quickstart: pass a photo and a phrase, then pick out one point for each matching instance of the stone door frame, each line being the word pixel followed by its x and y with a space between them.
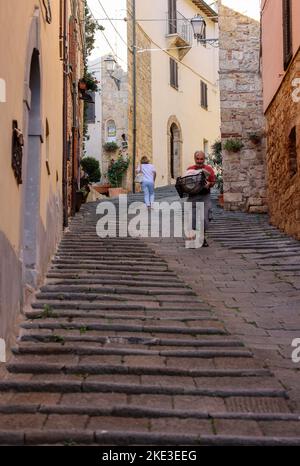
pixel 33 138
pixel 173 121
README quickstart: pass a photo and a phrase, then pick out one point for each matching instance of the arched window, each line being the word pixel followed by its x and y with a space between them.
pixel 111 131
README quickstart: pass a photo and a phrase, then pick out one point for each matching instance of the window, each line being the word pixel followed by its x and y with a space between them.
pixel 172 17
pixel 292 151
pixel 287 32
pixel 111 131
pixel 203 92
pixel 173 73
pixel 205 147
pixel 91 111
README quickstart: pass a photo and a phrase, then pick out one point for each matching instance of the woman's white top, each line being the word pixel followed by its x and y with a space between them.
pixel 148 171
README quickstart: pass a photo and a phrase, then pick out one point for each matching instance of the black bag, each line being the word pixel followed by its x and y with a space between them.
pixel 192 184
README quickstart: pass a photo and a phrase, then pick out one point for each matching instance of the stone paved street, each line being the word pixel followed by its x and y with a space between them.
pixel 134 341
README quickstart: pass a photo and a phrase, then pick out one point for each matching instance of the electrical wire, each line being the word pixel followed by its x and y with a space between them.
pixel 109 19
pixel 106 39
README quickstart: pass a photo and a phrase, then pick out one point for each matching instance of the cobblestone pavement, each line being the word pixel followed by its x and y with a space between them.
pixel 250 275
pixel 124 344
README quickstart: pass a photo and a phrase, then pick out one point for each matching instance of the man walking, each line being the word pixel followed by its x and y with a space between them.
pixel 204 194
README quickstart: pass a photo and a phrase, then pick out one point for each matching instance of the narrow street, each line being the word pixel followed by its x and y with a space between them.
pixel 134 341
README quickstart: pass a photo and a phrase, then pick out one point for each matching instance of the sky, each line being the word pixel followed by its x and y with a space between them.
pixel 114 9
pixel 117 9
pixel 248 7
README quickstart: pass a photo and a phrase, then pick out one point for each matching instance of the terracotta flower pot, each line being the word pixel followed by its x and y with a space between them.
pixel 221 200
pixel 114 192
pixel 104 189
pixel 82 85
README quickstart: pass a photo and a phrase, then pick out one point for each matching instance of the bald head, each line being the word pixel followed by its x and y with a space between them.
pixel 199 157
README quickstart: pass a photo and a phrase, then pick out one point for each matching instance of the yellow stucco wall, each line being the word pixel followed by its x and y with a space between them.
pixel 200 63
pixel 17 18
pixel 14 37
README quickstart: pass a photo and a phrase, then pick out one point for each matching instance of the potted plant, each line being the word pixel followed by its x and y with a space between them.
pixel 216 161
pixel 110 146
pixel 233 145
pixel 92 174
pixel 88 82
pixel 255 138
pixel 115 175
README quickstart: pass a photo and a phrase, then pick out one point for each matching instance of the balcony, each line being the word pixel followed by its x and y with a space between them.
pixel 179 34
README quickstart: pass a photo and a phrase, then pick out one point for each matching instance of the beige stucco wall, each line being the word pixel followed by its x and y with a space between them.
pixel 15 34
pixel 183 104
pixel 272 45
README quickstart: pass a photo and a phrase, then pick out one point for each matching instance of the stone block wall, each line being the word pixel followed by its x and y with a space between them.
pixel 143 96
pixel 282 116
pixel 242 111
pixel 114 107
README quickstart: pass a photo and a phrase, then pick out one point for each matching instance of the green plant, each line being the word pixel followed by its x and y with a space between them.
pixel 219 183
pixel 217 153
pixel 233 145
pixel 116 171
pixel 216 161
pixel 110 146
pixel 91 168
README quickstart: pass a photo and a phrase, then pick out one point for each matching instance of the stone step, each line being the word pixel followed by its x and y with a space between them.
pixel 138 276
pixel 166 318
pixel 181 329
pixel 128 411
pixel 59 348
pixel 97 266
pixel 109 369
pixel 116 341
pixel 126 437
pixel 138 283
pixel 62 386
pixel 121 289
pixel 48 308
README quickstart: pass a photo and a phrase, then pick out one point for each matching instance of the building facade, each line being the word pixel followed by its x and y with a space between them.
pixel 32 146
pixel 177 94
pixel 108 118
pixel 242 119
pixel 281 86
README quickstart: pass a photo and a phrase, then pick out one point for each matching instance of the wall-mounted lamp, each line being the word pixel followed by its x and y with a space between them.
pixel 110 65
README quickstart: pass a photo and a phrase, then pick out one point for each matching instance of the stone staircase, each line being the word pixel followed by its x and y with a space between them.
pixel 117 350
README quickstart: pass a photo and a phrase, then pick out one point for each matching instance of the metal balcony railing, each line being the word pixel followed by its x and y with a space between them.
pixel 180 26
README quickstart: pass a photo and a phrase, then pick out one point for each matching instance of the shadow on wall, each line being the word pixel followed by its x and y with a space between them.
pixel 10 287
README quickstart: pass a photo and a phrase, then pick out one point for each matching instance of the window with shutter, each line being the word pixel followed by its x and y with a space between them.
pixel 204 96
pixel 287 32
pixel 173 73
pixel 172 16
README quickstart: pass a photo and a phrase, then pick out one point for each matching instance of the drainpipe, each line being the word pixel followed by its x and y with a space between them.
pixel 65 118
pixel 134 93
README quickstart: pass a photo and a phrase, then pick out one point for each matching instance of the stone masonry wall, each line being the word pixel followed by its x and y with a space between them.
pixel 284 189
pixel 143 95
pixel 242 111
pixel 114 107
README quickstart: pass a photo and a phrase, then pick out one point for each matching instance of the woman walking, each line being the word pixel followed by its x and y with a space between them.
pixel 148 174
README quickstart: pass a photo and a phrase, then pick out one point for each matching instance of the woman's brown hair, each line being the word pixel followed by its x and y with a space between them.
pixel 144 159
